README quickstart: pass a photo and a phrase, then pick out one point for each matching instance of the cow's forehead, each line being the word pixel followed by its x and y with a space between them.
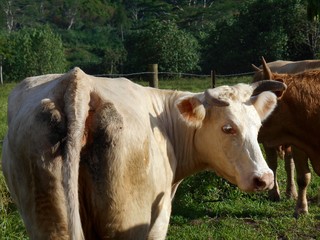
pixel 241 113
pixel 237 93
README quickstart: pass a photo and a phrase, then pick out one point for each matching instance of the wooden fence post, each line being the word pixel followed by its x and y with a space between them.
pixel 213 78
pixel 1 78
pixel 153 75
pixel 1 61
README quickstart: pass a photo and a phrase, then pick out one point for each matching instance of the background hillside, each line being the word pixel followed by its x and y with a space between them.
pixel 121 36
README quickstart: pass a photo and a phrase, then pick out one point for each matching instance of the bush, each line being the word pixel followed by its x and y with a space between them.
pixel 33 51
pixel 173 49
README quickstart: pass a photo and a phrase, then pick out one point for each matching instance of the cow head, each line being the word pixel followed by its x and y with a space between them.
pixel 227 120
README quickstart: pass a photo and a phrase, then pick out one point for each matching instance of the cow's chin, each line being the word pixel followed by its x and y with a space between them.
pixel 256 182
pixel 252 182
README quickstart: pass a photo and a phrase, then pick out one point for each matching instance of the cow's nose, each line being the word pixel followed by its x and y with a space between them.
pixel 263 181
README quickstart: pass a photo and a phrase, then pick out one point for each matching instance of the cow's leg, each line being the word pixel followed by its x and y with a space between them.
pixel 291 190
pixel 50 215
pixel 41 205
pixel 35 185
pixel 161 216
pixel 303 179
pixel 271 158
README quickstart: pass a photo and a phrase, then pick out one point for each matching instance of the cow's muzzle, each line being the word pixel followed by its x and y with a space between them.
pixel 263 181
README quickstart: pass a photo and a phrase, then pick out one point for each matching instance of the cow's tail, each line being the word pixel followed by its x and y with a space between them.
pixel 76 99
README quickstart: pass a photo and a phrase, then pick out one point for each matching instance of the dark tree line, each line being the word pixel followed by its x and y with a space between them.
pixel 112 36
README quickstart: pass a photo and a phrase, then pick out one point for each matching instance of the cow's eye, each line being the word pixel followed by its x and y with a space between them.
pixel 228 129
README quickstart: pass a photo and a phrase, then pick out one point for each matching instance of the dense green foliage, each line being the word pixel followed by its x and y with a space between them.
pixel 108 36
pixel 273 29
pixel 163 43
pixel 33 52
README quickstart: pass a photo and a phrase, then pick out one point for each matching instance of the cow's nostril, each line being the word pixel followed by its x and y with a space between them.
pixel 259 183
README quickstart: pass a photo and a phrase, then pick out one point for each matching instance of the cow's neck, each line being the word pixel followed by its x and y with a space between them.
pixel 181 138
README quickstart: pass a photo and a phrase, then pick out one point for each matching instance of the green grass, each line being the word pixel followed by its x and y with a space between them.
pixel 232 214
pixel 4 92
pixel 206 206
pixel 196 84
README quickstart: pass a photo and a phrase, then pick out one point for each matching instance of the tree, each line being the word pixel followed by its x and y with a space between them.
pixel 313 27
pixel 266 28
pixel 7 10
pixel 121 21
pixel 163 43
pixel 92 49
pixel 33 51
pixel 313 10
pixel 17 14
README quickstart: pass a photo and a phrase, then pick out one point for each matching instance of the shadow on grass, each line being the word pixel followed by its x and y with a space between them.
pixel 206 195
pixel 220 210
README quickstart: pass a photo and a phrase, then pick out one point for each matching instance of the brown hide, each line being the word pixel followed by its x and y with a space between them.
pixel 295 121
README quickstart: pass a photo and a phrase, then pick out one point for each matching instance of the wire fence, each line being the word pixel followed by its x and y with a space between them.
pixel 152 76
pixel 174 74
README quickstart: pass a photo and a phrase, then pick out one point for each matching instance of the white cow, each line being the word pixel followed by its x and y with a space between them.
pixel 99 158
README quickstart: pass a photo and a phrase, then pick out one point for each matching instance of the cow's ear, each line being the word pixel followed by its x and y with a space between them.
pixel 264 103
pixel 191 110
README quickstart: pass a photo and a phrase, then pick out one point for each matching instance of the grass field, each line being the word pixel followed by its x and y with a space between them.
pixel 206 206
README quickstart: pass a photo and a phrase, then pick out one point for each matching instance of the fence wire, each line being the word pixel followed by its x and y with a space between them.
pixel 173 73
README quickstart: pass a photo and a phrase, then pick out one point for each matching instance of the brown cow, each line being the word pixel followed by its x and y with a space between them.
pixel 290 67
pixel 301 130
pixel 281 66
